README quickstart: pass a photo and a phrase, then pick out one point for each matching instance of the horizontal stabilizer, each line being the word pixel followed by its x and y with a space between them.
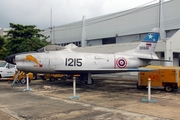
pixel 155 59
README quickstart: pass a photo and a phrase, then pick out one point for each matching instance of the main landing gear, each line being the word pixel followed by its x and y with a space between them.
pixel 86 78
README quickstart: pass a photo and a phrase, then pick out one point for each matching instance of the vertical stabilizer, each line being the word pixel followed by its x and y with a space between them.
pixel 148 44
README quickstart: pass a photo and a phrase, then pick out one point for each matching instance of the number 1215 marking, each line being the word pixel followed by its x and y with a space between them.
pixel 73 62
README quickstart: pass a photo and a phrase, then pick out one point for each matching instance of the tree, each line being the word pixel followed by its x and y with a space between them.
pixel 24 38
pixel 3 50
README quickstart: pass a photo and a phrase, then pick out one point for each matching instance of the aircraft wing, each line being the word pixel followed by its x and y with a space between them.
pixel 104 71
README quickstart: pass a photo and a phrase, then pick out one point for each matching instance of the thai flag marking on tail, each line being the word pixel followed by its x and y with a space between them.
pixel 148 44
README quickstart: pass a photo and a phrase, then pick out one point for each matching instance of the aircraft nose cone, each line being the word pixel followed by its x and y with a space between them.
pixel 10 59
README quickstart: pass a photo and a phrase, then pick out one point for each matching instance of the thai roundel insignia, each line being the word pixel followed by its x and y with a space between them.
pixel 121 62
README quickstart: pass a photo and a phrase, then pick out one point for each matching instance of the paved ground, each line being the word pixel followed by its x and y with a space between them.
pixel 109 98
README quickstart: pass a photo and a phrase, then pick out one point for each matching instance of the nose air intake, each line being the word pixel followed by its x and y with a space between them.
pixel 10 59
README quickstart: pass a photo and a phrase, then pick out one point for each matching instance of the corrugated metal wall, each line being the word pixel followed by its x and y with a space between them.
pixel 131 22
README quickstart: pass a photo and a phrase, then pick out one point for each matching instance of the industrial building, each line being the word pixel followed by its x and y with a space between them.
pixel 126 26
pixel 124 30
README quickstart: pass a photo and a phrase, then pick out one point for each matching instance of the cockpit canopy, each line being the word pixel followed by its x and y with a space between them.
pixel 51 48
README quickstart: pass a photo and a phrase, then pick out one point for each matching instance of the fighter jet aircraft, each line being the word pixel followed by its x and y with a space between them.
pixel 67 61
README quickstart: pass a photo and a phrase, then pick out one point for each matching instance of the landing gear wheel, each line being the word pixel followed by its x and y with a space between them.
pixel 168 88
pixel 34 76
pixel 52 78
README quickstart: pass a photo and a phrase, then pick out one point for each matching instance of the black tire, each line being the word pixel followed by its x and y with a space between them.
pixel 52 78
pixel 24 80
pixel 34 76
pixel 168 88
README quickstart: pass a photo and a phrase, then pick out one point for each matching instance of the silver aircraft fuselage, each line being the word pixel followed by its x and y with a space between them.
pixel 68 61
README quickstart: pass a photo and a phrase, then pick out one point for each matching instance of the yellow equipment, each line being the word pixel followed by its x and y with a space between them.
pixel 163 76
pixel 21 77
pixel 53 77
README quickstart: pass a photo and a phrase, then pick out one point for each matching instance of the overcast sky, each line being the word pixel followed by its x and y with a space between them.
pixel 37 12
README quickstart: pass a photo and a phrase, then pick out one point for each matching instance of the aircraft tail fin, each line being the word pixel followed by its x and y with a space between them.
pixel 148 44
